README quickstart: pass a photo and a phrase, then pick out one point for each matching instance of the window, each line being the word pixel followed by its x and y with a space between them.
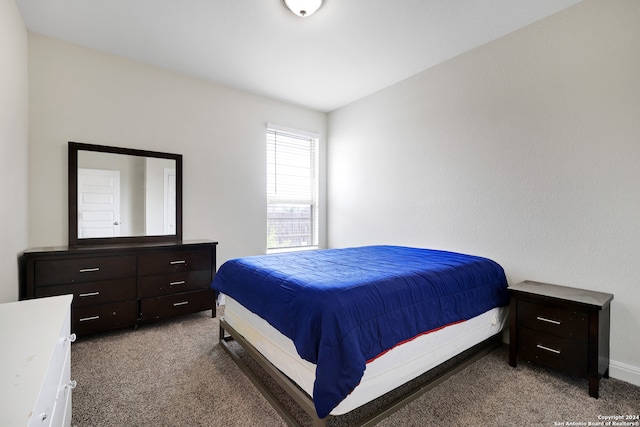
pixel 292 189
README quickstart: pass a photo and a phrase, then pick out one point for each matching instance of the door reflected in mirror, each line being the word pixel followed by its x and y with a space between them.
pixel 123 194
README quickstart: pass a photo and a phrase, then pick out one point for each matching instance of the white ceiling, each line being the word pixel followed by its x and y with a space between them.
pixel 345 51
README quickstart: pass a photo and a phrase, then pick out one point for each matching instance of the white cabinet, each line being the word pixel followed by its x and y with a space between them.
pixel 35 362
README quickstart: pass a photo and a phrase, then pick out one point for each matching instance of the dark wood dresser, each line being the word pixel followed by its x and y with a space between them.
pixel 123 285
pixel 561 327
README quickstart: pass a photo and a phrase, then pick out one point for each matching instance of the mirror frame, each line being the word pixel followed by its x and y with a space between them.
pixel 74 148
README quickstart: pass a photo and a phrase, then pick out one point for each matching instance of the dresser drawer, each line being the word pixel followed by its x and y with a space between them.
pixel 76 270
pixel 97 318
pixel 560 353
pixel 47 406
pixel 172 283
pixel 172 305
pixel 559 322
pixel 61 411
pixel 93 293
pixel 174 261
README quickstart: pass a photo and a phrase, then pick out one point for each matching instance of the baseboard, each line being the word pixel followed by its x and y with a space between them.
pixel 624 372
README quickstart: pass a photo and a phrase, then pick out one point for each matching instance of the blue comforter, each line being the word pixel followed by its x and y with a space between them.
pixel 343 307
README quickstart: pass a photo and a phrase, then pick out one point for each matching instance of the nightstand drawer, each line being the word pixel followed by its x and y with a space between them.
pixel 555 352
pixel 555 321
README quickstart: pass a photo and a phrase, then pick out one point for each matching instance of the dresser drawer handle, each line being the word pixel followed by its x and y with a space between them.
pixel 541 347
pixel 89 270
pixel 85 319
pixel 544 319
pixel 176 304
pixel 181 261
pixel 89 294
pixel 179 282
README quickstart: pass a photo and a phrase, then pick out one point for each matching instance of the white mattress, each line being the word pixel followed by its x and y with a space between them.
pixel 394 368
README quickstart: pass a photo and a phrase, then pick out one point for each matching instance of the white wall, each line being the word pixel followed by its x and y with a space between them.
pixel 82 95
pixel 13 146
pixel 525 150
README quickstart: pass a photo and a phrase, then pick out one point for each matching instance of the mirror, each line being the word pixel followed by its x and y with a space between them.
pixel 122 195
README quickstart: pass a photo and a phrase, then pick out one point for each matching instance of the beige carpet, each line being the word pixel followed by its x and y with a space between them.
pixel 173 373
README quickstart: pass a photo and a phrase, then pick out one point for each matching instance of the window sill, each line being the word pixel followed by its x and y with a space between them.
pixel 284 250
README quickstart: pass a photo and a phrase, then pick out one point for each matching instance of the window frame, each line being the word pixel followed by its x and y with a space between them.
pixel 271 135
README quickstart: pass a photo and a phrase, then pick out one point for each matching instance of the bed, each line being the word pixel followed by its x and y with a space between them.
pixel 337 328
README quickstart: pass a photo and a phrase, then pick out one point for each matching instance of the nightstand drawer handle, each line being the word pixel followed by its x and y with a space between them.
pixel 179 282
pixel 178 262
pixel 89 270
pixel 176 304
pixel 85 319
pixel 544 319
pixel 548 349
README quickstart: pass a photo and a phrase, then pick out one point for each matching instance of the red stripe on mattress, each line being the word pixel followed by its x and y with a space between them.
pixel 413 338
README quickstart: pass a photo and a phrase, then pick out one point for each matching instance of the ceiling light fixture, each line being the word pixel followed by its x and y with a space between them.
pixel 303 7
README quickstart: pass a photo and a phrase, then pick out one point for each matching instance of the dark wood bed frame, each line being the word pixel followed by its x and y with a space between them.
pixel 228 334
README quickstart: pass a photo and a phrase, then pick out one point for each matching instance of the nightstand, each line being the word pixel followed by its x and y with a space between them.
pixel 561 327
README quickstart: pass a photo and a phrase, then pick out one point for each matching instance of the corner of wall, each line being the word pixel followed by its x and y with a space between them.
pixel 13 144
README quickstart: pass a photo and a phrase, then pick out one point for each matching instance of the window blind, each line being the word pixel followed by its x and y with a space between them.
pixel 292 189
